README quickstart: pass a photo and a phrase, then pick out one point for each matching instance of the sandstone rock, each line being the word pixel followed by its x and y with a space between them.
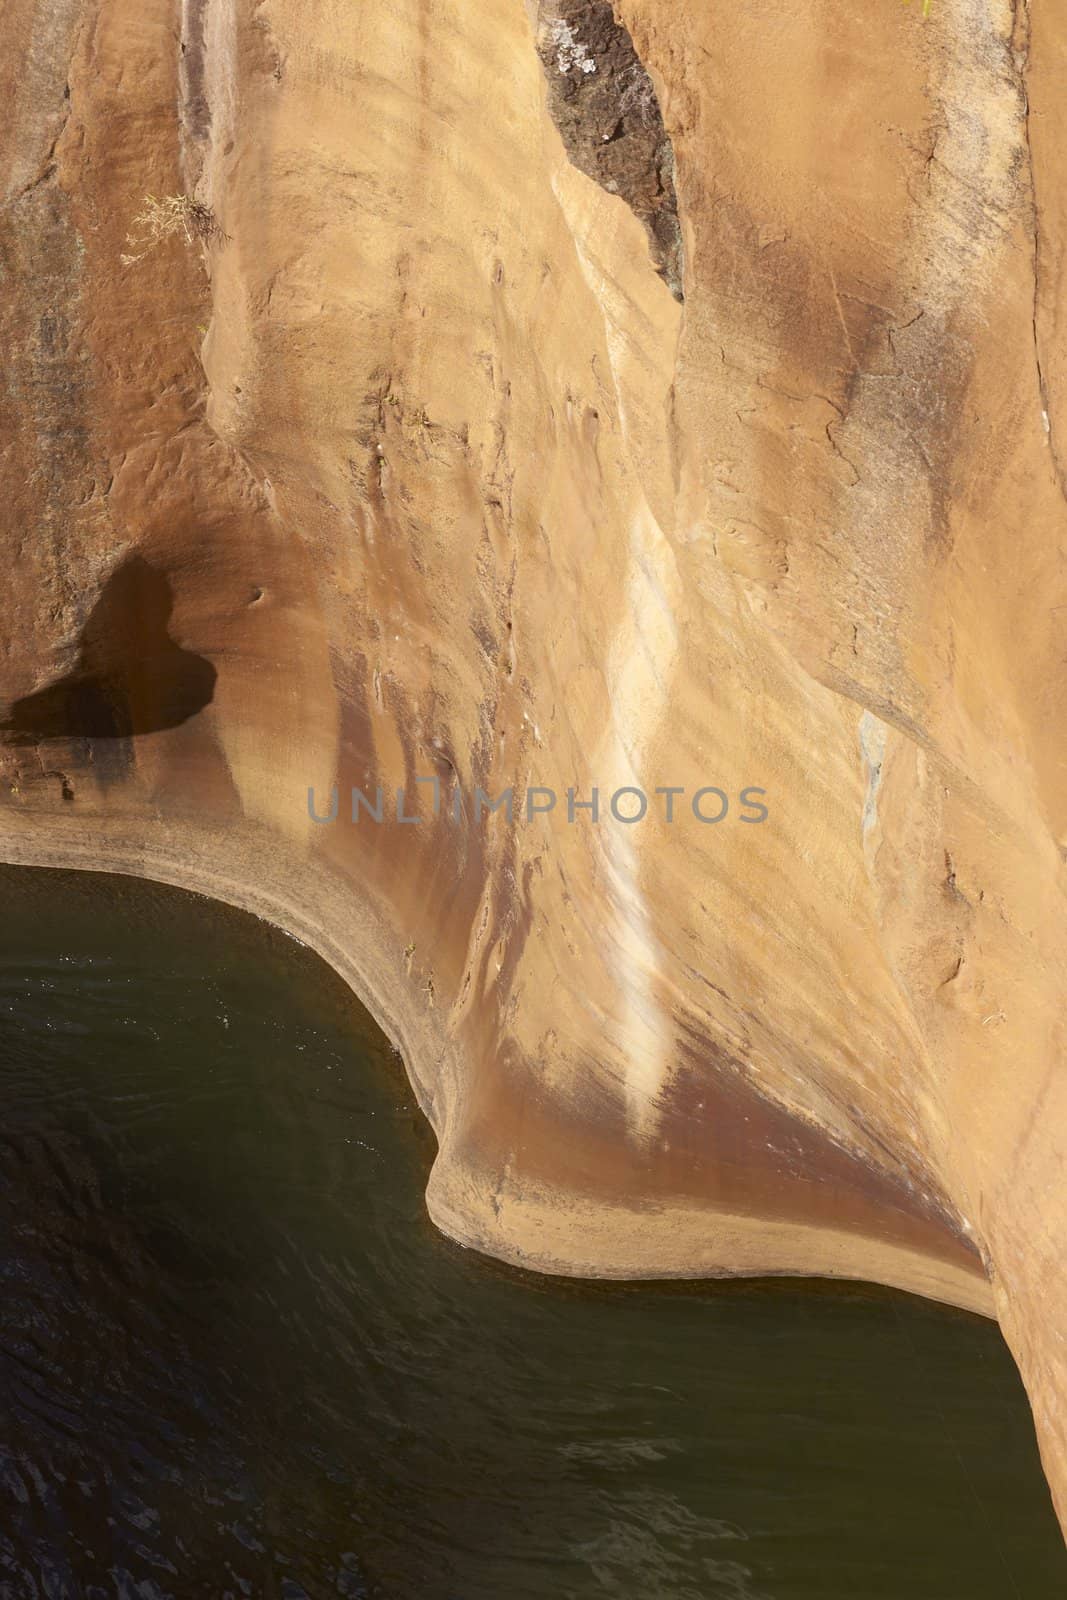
pixel 412 464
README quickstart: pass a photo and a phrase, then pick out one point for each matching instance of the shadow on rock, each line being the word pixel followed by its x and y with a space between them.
pixel 130 677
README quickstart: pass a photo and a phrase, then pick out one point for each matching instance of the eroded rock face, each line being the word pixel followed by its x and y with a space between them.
pixel 414 466
pixel 605 106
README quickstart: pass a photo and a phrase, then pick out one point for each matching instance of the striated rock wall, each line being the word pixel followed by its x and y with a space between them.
pixel 435 454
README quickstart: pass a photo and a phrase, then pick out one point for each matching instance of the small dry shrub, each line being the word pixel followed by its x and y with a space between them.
pixel 162 218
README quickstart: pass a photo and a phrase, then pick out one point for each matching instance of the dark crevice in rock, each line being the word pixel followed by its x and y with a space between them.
pixel 192 75
pixel 603 103
pixel 1021 59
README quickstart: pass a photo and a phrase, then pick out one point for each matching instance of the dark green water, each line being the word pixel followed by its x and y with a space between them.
pixel 237 1360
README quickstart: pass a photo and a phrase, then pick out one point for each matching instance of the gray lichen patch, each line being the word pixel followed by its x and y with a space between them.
pixel 604 104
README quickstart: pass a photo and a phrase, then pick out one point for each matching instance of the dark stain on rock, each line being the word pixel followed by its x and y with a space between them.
pixel 195 107
pixel 130 676
pixel 604 104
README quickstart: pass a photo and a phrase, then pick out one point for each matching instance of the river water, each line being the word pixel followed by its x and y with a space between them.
pixel 237 1360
